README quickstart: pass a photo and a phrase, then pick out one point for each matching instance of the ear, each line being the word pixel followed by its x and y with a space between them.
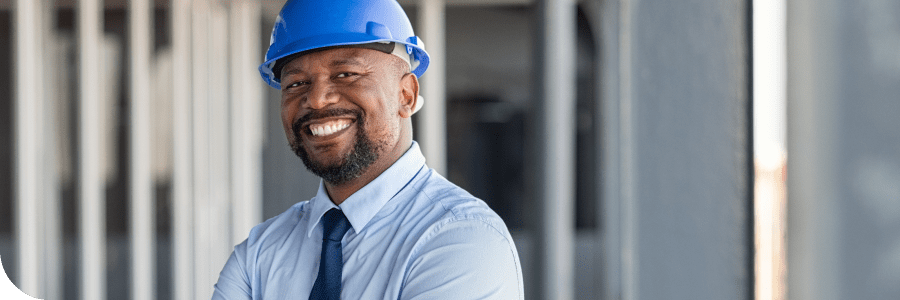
pixel 409 92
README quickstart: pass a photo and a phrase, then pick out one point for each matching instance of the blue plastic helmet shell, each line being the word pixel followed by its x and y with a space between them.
pixel 310 24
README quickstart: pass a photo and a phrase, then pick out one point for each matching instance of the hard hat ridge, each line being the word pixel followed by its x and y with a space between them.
pixel 304 25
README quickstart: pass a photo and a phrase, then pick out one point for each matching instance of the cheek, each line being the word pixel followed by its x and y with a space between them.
pixel 390 118
pixel 387 128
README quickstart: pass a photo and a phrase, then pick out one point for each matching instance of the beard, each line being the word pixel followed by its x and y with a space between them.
pixel 352 165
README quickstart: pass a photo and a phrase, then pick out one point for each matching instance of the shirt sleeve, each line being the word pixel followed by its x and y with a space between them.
pixel 233 281
pixel 467 259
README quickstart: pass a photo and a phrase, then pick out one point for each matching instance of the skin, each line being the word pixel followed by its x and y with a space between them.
pixel 377 85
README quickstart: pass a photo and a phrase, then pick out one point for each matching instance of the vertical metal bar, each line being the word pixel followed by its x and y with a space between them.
pixel 56 57
pixel 200 121
pixel 182 206
pixel 50 230
pixel 558 148
pixel 246 110
pixel 218 145
pixel 769 72
pixel 91 225
pixel 237 133
pixel 628 253
pixel 432 23
pixel 28 133
pixel 255 107
pixel 141 191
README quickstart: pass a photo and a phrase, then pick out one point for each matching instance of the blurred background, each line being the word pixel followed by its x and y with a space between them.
pixel 635 149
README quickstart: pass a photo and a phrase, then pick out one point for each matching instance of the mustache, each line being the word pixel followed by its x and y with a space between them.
pixel 321 114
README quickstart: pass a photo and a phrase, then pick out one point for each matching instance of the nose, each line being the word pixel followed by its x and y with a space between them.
pixel 321 95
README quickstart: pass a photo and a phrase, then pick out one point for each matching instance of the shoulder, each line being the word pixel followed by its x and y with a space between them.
pixel 458 204
pixel 278 226
pixel 466 251
pixel 460 216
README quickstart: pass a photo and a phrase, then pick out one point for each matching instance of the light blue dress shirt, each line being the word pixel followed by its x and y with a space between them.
pixel 414 235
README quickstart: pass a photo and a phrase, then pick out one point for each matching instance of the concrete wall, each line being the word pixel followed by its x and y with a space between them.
pixel 677 171
pixel 844 149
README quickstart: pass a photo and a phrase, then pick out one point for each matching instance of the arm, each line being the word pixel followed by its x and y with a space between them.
pixel 468 259
pixel 233 280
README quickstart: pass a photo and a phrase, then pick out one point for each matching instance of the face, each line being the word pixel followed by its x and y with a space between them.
pixel 341 110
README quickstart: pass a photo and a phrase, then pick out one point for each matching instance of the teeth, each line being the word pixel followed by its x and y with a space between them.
pixel 329 128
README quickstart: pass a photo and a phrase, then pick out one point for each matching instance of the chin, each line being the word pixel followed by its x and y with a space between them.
pixel 343 165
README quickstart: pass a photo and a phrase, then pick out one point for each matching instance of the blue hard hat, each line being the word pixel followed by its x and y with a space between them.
pixel 311 24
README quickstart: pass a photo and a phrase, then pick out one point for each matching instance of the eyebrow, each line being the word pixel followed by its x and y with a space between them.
pixel 347 62
pixel 290 71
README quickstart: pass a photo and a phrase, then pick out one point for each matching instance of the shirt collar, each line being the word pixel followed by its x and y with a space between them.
pixel 362 206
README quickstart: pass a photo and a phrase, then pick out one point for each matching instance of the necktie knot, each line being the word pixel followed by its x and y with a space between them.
pixel 336 225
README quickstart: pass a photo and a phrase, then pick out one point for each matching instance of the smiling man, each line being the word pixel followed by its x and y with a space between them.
pixel 383 225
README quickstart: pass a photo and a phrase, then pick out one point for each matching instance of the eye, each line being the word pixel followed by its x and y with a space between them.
pixel 345 75
pixel 295 84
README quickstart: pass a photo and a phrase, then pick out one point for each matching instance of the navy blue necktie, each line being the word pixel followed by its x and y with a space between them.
pixel 328 283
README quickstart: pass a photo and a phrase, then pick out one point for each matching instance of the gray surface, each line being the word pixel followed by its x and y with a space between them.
pixel 676 165
pixel 844 149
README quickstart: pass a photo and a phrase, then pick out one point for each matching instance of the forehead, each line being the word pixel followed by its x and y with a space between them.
pixel 335 57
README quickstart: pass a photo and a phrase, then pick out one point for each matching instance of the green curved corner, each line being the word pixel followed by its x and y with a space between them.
pixel 8 290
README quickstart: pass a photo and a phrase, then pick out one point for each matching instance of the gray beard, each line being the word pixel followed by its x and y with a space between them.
pixel 352 165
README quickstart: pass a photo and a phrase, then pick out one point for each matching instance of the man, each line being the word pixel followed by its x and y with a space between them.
pixel 383 225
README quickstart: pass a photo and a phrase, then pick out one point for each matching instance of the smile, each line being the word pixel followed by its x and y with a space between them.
pixel 329 127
